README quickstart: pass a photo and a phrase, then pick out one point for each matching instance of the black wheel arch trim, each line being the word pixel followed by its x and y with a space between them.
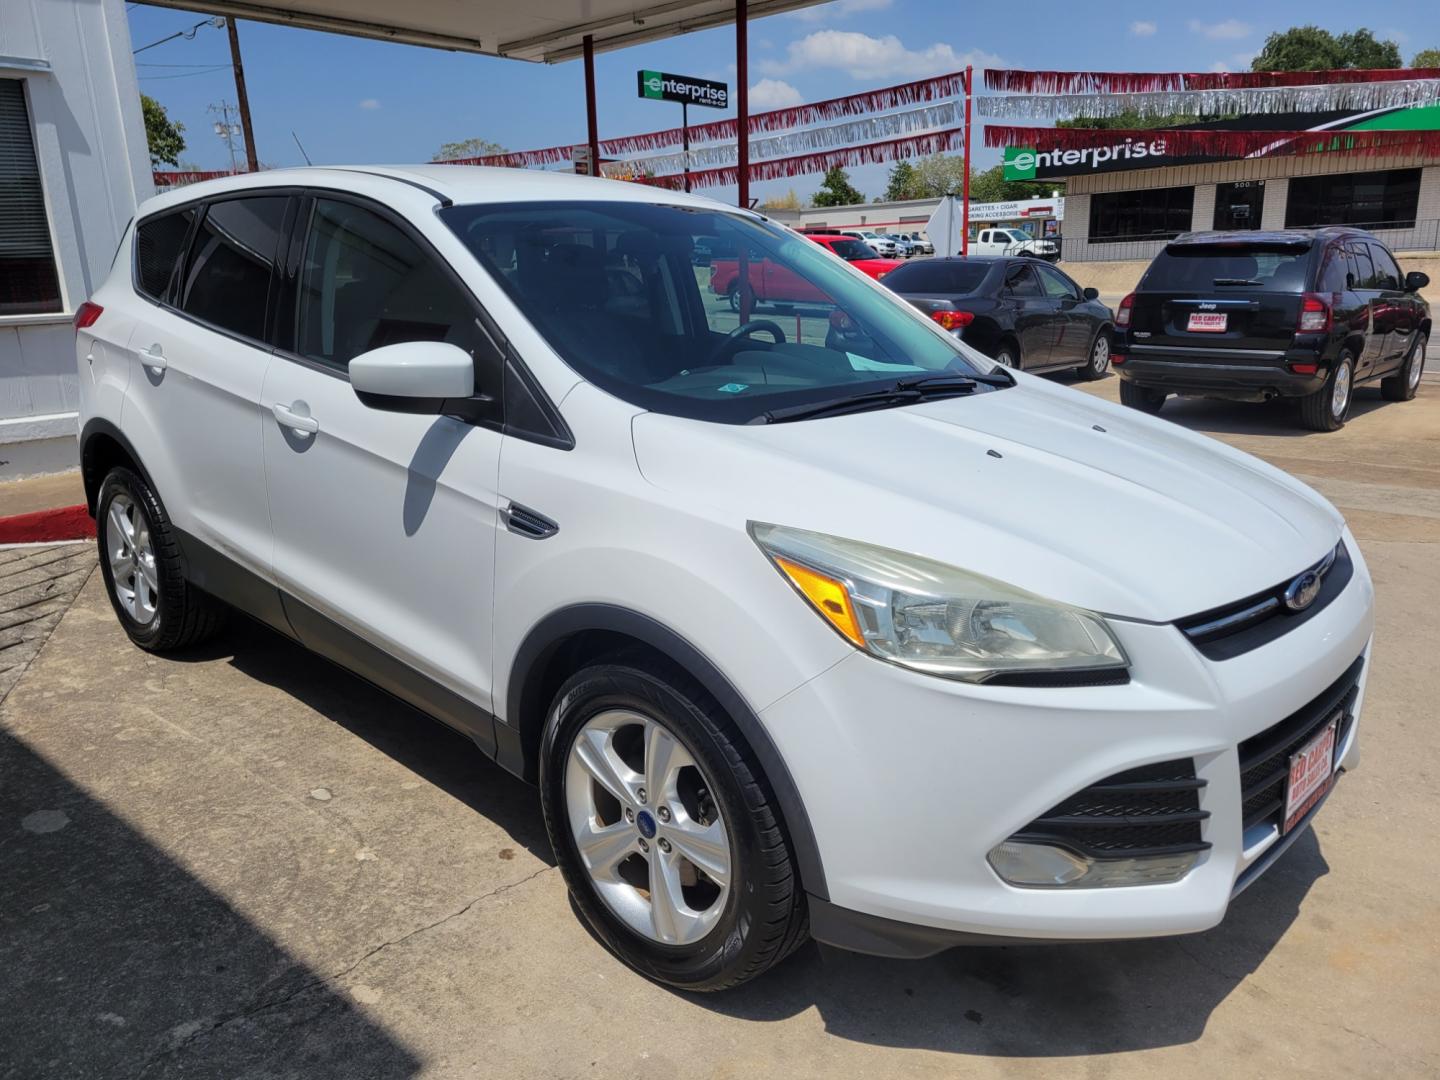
pixel 518 740
pixel 99 426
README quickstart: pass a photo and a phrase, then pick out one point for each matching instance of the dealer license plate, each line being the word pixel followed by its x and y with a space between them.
pixel 1207 322
pixel 1311 768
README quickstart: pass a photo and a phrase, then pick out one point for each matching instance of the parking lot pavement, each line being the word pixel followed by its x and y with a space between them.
pixel 244 863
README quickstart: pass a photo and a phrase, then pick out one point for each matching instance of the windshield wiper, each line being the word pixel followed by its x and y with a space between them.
pixel 1236 281
pixel 902 392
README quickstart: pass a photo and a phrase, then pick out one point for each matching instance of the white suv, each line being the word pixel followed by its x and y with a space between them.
pixel 832 629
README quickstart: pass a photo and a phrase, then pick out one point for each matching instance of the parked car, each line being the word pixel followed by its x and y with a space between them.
pixel 883 245
pixel 1308 314
pixel 773 282
pixel 1020 312
pixel 922 245
pixel 886 645
pixel 903 247
pixel 1012 242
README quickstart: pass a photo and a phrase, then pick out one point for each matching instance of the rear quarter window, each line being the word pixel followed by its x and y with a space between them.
pixel 159 244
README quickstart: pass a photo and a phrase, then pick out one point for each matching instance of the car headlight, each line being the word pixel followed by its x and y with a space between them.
pixel 932 617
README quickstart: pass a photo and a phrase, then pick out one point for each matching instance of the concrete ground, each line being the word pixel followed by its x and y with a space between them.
pixel 242 862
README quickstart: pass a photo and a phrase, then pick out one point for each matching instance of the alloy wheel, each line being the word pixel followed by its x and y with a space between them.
pixel 1100 355
pixel 1340 392
pixel 1417 364
pixel 647 827
pixel 132 559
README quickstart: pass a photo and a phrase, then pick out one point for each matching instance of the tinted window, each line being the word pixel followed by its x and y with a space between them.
pixel 1387 274
pixel 1149 214
pixel 227 281
pixel 938 276
pixel 159 245
pixel 1057 284
pixel 1337 271
pixel 1204 269
pixel 850 250
pixel 364 283
pixel 1387 198
pixel 1364 268
pixel 1020 281
pixel 677 355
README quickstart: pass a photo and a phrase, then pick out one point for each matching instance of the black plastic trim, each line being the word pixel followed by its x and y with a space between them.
pixel 100 426
pixel 225 579
pixel 525 713
pixel 1061 679
pixel 874 935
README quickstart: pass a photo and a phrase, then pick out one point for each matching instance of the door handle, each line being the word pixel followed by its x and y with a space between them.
pixel 153 357
pixel 288 417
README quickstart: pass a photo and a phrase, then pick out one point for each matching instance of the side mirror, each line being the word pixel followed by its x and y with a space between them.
pixel 432 378
pixel 1090 293
pixel 1416 280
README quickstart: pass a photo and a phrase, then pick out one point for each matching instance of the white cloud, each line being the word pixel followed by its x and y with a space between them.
pixel 1220 31
pixel 839 9
pixel 864 57
pixel 1143 28
pixel 370 103
pixel 1239 61
pixel 773 94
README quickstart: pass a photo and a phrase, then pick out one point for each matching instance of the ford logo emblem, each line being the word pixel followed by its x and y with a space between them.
pixel 1301 592
pixel 646 824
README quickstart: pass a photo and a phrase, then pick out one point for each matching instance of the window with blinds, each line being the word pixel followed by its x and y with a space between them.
pixel 28 282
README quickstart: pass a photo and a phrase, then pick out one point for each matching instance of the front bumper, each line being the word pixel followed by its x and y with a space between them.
pixel 911 780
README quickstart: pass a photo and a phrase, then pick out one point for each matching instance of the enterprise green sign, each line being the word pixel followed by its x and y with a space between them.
pixel 1019 163
pixel 665 87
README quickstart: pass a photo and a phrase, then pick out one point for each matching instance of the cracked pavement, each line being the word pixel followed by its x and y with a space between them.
pixel 245 863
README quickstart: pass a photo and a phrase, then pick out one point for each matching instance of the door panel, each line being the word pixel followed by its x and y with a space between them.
pixel 1073 326
pixel 1035 314
pixel 384 522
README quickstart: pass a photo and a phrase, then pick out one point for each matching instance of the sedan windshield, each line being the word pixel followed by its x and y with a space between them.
pixel 618 290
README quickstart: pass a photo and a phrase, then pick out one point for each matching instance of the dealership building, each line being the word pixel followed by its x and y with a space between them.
pixel 1125 203
pixel 1038 217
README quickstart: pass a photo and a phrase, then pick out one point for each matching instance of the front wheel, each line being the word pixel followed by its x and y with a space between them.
pixel 1098 366
pixel 1141 397
pixel 1327 408
pixel 1404 383
pixel 665 830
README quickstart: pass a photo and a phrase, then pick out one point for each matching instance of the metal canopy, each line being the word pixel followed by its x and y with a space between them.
pixel 537 30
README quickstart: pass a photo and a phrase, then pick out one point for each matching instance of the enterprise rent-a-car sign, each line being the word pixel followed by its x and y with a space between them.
pixel 1027 163
pixel 691 91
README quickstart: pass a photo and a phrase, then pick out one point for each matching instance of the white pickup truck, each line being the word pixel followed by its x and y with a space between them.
pixel 1012 242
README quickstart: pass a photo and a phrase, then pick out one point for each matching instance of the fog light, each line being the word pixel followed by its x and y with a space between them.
pixel 1043 866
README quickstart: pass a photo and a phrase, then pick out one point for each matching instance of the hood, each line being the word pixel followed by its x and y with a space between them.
pixel 1142 519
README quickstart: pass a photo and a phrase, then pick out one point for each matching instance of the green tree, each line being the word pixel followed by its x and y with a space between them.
pixel 1426 58
pixel 1312 48
pixel 904 183
pixel 789 201
pixel 836 190
pixel 162 135
pixel 939 174
pixel 991 186
pixel 453 151
pixel 1130 120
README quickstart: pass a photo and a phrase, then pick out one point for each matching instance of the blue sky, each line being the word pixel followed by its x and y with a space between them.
pixel 351 100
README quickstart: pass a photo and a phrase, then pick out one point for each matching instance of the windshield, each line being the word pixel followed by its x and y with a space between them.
pixel 615 289
pixel 1203 267
pixel 850 250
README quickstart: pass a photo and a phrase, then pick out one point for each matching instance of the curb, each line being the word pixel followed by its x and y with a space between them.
pixel 44 526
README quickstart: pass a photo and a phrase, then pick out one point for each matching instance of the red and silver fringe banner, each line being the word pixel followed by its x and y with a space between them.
pixel 1140 82
pixel 1335 97
pixel 1188 142
pixel 774 169
pixel 889 97
pixel 869 129
pixel 181 178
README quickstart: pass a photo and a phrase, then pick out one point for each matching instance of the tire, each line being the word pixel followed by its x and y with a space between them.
pixel 1404 383
pixel 1327 408
pixel 1008 354
pixel 163 611
pixel 732 295
pixel 1098 366
pixel 728 933
pixel 1141 397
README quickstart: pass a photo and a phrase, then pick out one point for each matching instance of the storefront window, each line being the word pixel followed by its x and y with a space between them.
pixel 1149 214
pixel 1375 200
pixel 28 282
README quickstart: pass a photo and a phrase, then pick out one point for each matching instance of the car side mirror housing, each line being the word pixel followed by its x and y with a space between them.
pixel 432 378
pixel 1090 293
pixel 1416 280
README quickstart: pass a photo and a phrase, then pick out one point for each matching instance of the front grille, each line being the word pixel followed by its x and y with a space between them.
pixel 1234 629
pixel 1265 758
pixel 1152 810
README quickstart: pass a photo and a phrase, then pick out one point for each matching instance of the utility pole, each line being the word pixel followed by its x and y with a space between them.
pixel 227 129
pixel 251 161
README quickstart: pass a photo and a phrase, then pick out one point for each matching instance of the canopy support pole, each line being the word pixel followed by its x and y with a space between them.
pixel 965 219
pixel 742 102
pixel 592 128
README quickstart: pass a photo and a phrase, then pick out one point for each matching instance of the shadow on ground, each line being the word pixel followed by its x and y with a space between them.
pixel 116 962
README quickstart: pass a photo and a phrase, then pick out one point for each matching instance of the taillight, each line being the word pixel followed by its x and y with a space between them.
pixel 1314 314
pixel 1122 313
pixel 1117 358
pixel 953 320
pixel 86 314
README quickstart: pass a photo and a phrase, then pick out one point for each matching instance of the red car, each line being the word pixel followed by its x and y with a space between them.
pixel 775 283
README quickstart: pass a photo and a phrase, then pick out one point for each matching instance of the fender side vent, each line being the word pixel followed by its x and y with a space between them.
pixel 522 521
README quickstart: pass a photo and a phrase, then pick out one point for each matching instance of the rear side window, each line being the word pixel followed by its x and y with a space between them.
pixel 937 276
pixel 1387 274
pixel 1364 268
pixel 227 281
pixel 159 245
pixel 1337 273
pixel 1203 269
pixel 1020 281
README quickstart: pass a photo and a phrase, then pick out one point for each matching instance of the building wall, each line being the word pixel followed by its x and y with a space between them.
pixel 1276 172
pixel 74 57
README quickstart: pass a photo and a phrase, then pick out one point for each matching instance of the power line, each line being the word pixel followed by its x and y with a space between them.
pixel 188 34
pixel 184 75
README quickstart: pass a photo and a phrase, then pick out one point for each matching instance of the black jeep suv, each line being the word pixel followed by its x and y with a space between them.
pixel 1250 316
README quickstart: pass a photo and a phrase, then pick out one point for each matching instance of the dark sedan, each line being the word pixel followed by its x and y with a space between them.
pixel 1022 312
